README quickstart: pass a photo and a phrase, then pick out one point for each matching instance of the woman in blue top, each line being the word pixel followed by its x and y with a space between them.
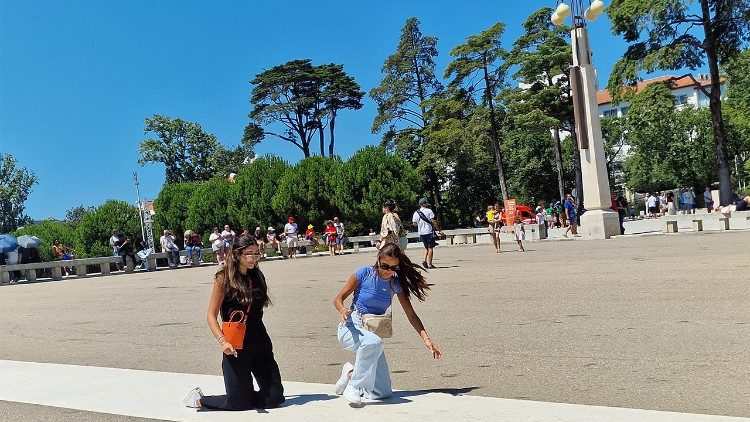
pixel 373 288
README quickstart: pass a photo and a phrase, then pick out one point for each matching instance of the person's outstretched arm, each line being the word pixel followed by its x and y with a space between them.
pixel 416 322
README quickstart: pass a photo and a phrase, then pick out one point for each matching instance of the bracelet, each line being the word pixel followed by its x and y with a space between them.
pixel 426 338
pixel 221 340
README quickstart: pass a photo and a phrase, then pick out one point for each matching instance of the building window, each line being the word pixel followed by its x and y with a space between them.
pixel 681 100
pixel 610 113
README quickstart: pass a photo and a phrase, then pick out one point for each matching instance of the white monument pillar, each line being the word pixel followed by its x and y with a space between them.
pixel 599 221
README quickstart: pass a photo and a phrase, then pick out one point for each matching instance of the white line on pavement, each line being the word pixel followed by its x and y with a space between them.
pixel 159 395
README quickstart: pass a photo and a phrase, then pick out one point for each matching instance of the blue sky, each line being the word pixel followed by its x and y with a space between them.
pixel 78 78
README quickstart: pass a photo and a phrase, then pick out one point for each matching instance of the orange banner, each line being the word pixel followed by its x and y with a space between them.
pixel 510 211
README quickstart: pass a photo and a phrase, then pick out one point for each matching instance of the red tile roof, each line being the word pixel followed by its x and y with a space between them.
pixel 603 97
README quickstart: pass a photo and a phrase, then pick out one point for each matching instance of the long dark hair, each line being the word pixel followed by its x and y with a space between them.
pixel 236 287
pixel 409 277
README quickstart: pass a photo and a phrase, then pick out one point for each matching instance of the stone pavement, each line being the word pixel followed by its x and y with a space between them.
pixel 656 322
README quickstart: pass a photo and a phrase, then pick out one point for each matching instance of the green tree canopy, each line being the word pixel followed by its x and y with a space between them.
pixel 303 99
pixel 370 177
pixel 252 195
pixel 676 34
pixel 208 207
pixel 306 191
pixel 15 187
pixel 172 204
pixel 479 68
pixel 95 229
pixel 191 154
pixel 402 96
pixel 48 231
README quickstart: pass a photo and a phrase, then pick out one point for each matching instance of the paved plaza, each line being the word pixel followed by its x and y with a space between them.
pixel 641 322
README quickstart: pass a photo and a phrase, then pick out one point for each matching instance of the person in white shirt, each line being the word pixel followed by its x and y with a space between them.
pixel 652 202
pixel 168 246
pixel 217 245
pixel 426 224
pixel 290 233
pixel 228 236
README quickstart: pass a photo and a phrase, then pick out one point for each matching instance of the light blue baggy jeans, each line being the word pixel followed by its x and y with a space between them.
pixel 371 375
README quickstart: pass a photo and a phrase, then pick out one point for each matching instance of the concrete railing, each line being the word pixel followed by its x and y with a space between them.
pixel 709 221
pixel 534 232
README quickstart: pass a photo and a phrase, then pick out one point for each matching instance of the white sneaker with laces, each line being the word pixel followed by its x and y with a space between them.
pixel 193 399
pixel 343 380
pixel 353 395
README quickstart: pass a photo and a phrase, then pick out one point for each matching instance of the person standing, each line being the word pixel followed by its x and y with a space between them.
pixel 330 234
pixel 520 232
pixel 240 287
pixel 572 216
pixel 622 211
pixel 339 235
pixel 708 199
pixel 290 233
pixel 373 288
pixel 651 203
pixel 391 227
pixel 492 228
pixel 424 220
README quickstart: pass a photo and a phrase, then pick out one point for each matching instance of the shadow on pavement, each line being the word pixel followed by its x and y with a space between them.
pixel 401 397
pixel 302 399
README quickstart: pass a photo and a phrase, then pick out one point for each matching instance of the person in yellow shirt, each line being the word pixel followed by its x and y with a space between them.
pixel 492 227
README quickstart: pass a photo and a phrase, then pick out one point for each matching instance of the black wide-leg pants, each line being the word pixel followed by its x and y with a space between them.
pixel 238 380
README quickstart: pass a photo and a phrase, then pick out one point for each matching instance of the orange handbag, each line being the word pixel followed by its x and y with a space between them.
pixel 234 330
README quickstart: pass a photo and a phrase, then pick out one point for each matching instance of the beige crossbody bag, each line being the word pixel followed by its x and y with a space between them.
pixel 380 325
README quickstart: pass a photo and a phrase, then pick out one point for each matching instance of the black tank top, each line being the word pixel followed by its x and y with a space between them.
pixel 256 337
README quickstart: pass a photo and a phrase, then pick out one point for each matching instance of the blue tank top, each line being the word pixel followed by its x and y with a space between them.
pixel 373 295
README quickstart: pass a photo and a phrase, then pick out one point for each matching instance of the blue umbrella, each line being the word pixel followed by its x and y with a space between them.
pixel 8 243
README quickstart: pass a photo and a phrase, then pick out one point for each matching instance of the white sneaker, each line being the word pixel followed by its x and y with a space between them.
pixel 193 399
pixel 343 379
pixel 353 395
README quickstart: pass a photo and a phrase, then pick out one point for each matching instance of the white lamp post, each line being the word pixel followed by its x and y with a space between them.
pixel 599 221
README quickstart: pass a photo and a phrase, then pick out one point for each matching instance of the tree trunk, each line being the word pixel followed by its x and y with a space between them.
pixel 714 97
pixel 321 136
pixel 495 134
pixel 330 128
pixel 437 200
pixel 559 164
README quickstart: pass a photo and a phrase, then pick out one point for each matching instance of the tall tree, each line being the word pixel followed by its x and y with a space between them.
pixel 542 56
pixel 478 67
pixel 340 92
pixel 303 99
pixel 15 187
pixel 189 153
pixel 662 35
pixel 409 81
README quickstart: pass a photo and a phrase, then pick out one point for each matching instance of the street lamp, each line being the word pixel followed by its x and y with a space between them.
pixel 599 221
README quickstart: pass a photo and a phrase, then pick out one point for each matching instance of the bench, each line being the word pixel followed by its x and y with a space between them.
pixel 670 226
pixel 29 270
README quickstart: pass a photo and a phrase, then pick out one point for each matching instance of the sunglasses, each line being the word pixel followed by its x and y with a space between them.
pixel 387 267
pixel 252 256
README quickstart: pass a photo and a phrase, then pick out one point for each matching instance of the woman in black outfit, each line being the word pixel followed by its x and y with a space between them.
pixel 236 285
